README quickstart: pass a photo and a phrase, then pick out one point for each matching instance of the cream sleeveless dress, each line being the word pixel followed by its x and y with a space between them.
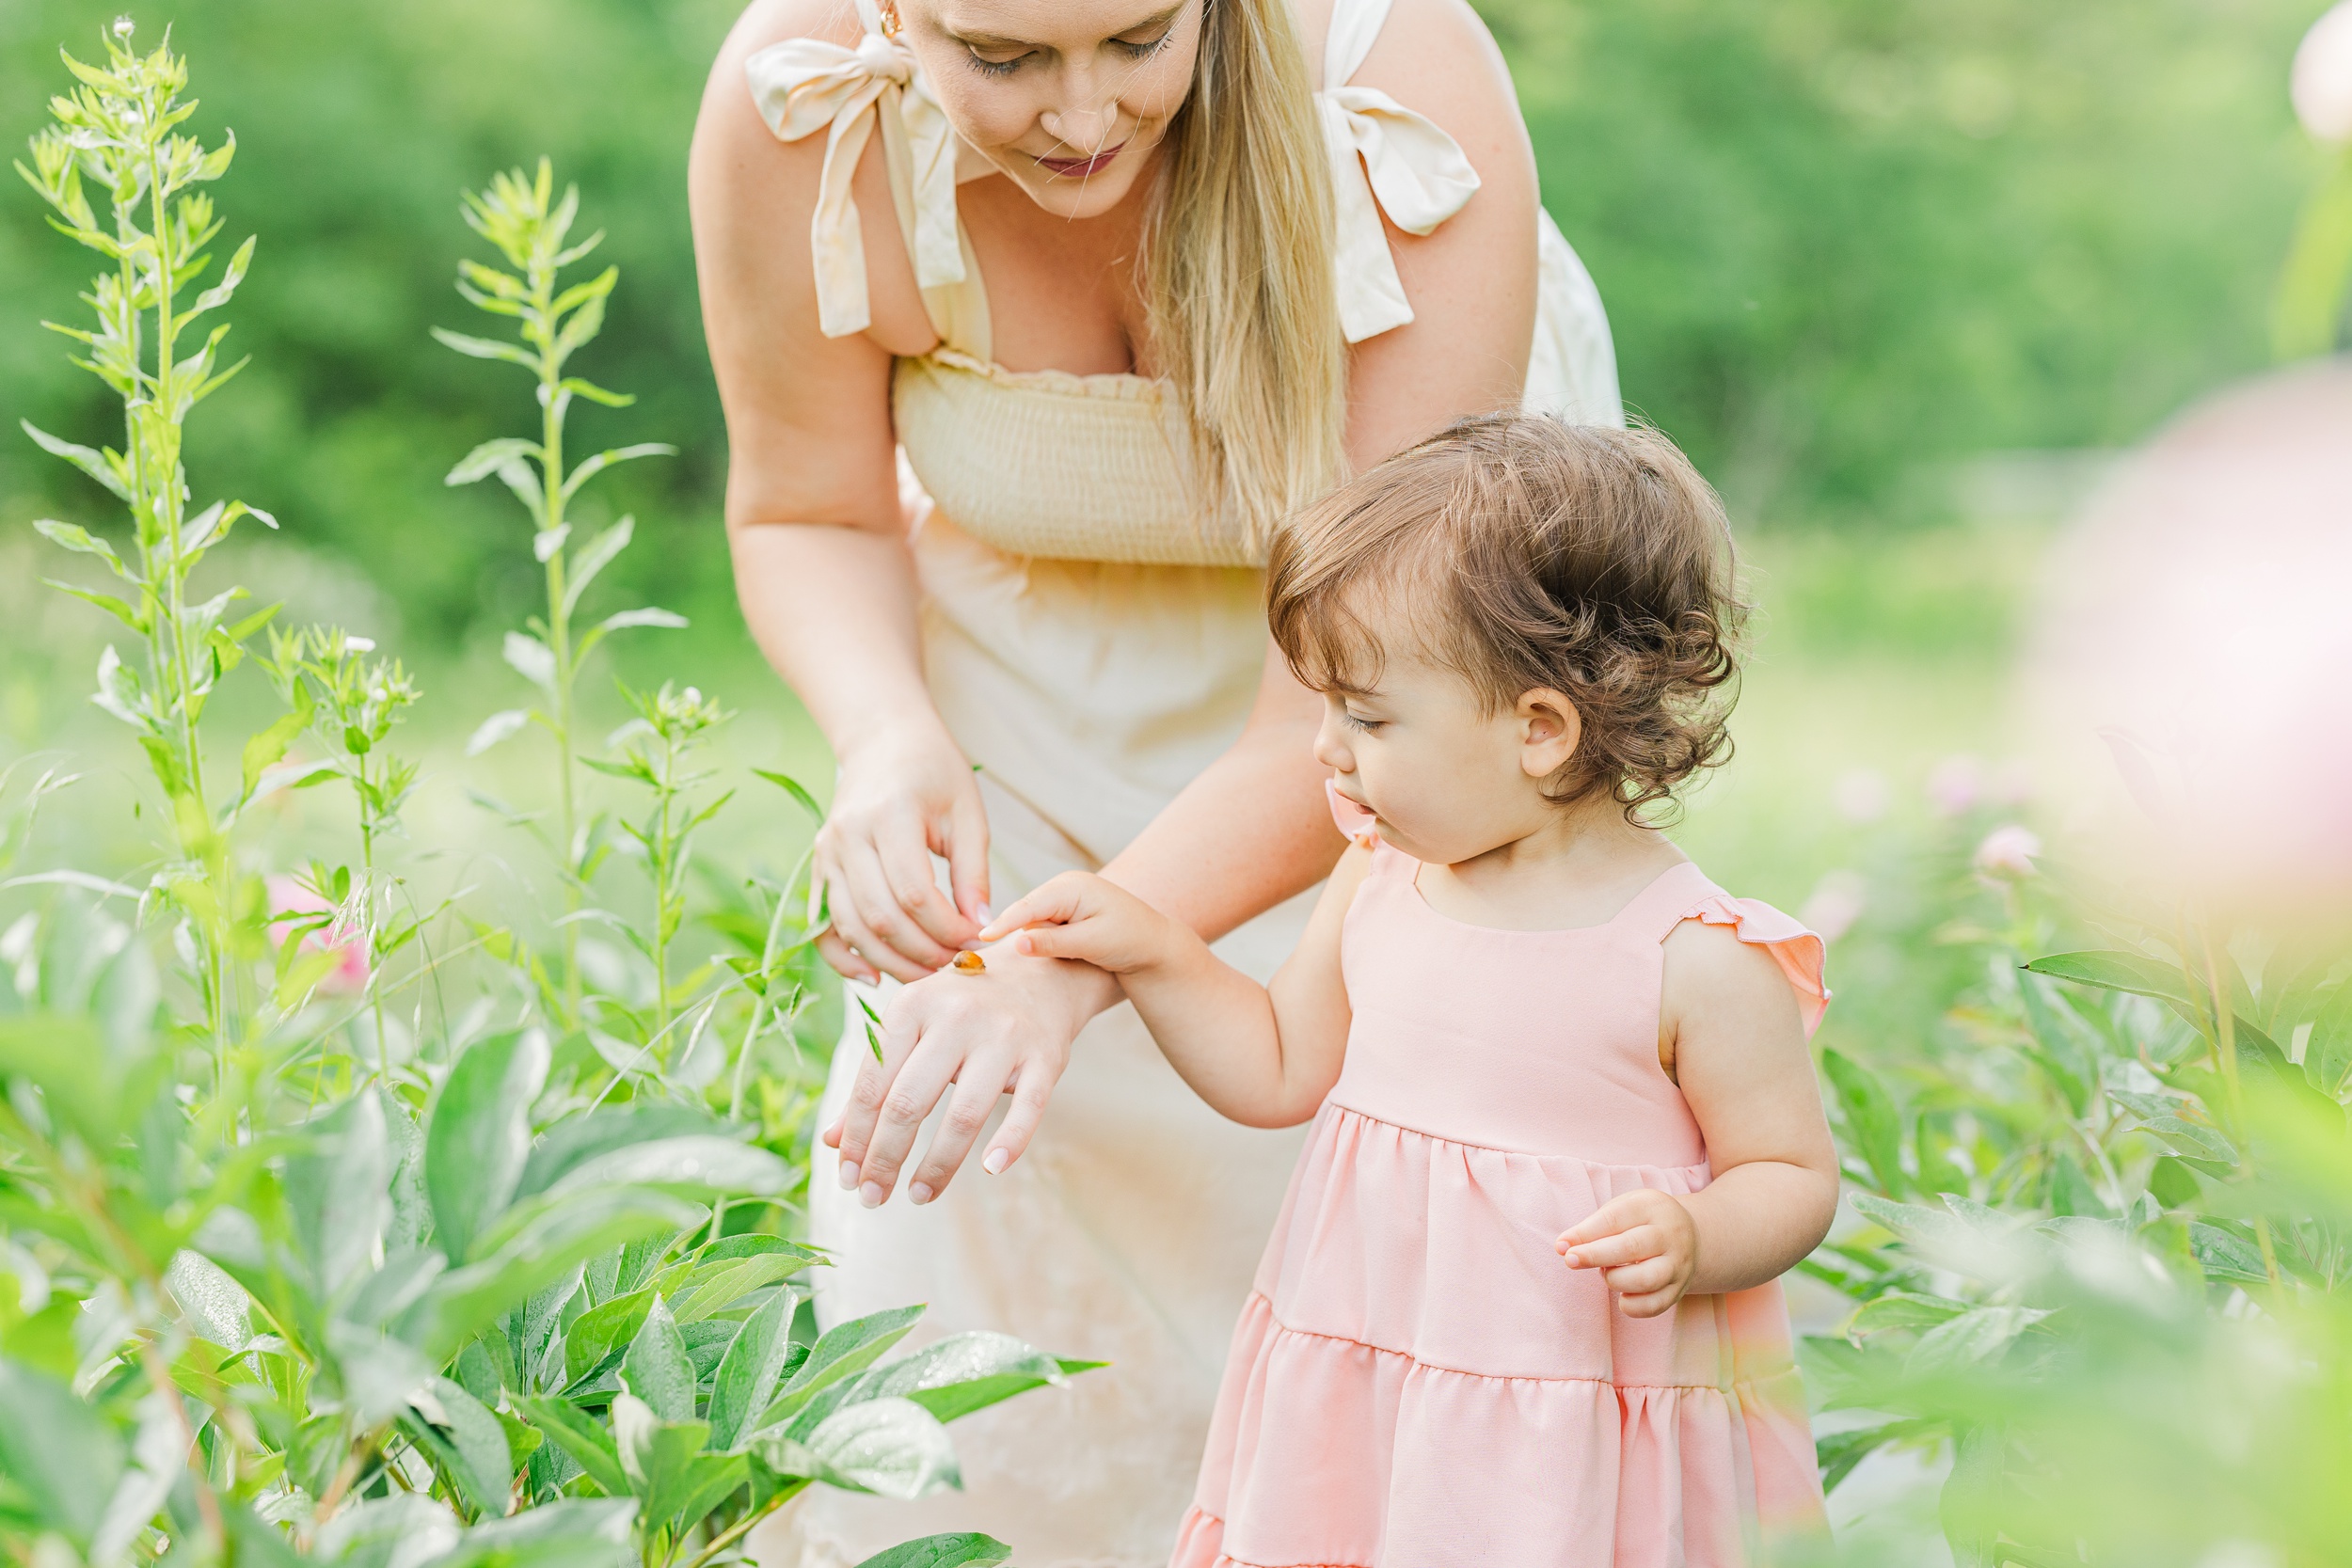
pixel 1093 637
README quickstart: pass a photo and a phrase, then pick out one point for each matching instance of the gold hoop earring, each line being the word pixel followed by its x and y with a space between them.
pixel 891 25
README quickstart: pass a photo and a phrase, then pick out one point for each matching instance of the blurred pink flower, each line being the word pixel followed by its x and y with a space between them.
pixel 1836 904
pixel 2321 85
pixel 289 895
pixel 2193 633
pixel 1956 785
pixel 1862 796
pixel 2008 851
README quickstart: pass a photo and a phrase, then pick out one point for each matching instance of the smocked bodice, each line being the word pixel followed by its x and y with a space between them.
pixel 1099 467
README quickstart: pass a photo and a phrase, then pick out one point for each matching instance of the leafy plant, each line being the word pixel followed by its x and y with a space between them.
pixel 2102 1238
pixel 284 1276
pixel 521 217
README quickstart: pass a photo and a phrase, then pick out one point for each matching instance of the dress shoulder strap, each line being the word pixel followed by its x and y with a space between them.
pixel 1685 892
pixel 803 86
pixel 1385 158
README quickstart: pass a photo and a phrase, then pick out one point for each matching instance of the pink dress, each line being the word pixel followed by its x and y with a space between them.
pixel 1417 1380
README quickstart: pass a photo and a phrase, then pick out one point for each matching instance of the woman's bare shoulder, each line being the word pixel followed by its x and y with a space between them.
pixel 1437 56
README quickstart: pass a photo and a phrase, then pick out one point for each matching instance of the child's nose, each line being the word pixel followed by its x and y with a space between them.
pixel 1331 749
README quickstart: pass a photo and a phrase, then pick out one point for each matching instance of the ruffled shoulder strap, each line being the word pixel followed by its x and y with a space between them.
pixel 803 86
pixel 1384 158
pixel 1684 893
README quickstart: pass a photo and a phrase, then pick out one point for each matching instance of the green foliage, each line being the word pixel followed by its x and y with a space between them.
pixel 2100 1246
pixel 292 1273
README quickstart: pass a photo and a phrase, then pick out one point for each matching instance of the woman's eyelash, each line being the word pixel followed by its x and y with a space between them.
pixel 1145 51
pixel 1133 51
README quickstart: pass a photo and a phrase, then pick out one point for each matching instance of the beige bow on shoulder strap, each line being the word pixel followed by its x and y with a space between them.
pixel 1384 158
pixel 802 86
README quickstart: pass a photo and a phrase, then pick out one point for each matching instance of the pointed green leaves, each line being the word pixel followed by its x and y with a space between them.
pixel 466 1443
pixel 485 348
pixel 657 1370
pixel 1872 1124
pixel 479 1138
pixel 751 1369
pixel 963 1549
pixel 105 468
pixel 489 457
pixel 844 1351
pixel 962 1373
pixel 591 467
pixel 582 1438
pixel 62 1454
pixel 894 1448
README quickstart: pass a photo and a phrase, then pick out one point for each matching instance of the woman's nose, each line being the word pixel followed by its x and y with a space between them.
pixel 1083 128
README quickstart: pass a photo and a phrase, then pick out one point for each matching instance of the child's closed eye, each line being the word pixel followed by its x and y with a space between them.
pixel 1357 721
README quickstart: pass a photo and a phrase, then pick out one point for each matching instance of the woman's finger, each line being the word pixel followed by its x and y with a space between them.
pixel 905 855
pixel 884 935
pixel 967 854
pixel 1032 1085
pixel 979 1083
pixel 924 1076
pixel 836 950
pixel 867 1093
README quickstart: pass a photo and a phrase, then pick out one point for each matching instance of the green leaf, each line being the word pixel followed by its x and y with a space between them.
pixel 375 1532
pixel 2126 971
pixel 498 727
pixel 80 541
pixel 263 751
pixel 2327 1054
pixel 2224 1254
pixel 1839 1451
pixel 711 1289
pixel 748 1373
pixel 676 1481
pixel 1970 1339
pixel 489 457
pixel 533 661
pixel 893 1448
pixel 1872 1125
pixel 2168 1119
pixel 579 1434
pixel 704 1162
pixel 469 1444
pixel 2056 1045
pixel 485 348
pixel 479 1138
pixel 843 1351
pixel 576 1140
pixel 89 460
pixel 590 467
pixel 339 1195
pixel 538 1248
pixel 1903 1309
pixel 594 557
pixel 962 1373
pixel 575 1532
pixel 792 786
pixel 657 1370
pixel 594 393
pixel 601 1331
pixel 960 1551
pixel 63 1455
pixel 122 609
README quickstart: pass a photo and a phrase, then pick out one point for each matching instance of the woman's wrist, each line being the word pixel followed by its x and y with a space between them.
pixel 911 727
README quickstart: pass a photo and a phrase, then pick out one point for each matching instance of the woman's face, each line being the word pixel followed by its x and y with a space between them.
pixel 1071 99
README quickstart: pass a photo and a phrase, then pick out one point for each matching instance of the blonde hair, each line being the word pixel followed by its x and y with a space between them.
pixel 1237 271
pixel 1524 553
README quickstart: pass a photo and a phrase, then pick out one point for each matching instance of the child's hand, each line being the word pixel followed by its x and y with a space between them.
pixel 1079 915
pixel 1646 1244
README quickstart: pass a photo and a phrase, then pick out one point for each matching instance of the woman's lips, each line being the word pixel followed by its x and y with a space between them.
pixel 1078 169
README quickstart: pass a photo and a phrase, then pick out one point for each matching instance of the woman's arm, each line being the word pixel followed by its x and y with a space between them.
pixel 814 516
pixel 1740 1058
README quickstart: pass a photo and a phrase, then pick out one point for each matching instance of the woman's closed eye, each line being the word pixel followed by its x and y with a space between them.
pixel 987 67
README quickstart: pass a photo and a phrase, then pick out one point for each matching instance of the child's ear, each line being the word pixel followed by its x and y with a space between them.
pixel 1549 728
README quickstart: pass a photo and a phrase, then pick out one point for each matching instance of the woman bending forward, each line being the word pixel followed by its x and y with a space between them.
pixel 1230 250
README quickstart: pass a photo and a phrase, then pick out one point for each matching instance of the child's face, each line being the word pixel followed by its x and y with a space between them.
pixel 1449 780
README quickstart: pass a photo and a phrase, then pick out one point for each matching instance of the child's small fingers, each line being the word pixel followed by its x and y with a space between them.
pixel 1054 941
pixel 1648 1305
pixel 1626 1246
pixel 1616 1215
pixel 1640 1279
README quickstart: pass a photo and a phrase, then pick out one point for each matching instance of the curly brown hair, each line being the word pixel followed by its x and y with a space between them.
pixel 1525 553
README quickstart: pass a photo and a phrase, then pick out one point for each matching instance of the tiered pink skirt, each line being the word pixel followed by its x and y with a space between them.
pixel 1418 1381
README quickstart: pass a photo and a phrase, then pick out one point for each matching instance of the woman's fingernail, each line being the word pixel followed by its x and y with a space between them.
pixel 918 1193
pixel 997 1161
pixel 848 1176
pixel 871 1195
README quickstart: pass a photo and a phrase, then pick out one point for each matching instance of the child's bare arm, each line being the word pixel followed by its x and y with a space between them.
pixel 1740 1055
pixel 1263 1056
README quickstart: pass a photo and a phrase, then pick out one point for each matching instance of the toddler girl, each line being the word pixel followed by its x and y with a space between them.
pixel 1549 1063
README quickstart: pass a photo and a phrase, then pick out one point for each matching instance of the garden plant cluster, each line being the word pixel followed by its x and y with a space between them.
pixel 341 1224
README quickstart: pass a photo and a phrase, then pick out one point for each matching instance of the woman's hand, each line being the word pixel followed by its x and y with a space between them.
pixel 1006 1030
pixel 1646 1245
pixel 905 793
